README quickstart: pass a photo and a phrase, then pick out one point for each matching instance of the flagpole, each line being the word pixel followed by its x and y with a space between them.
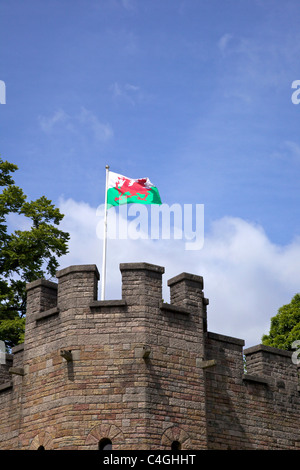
pixel 104 238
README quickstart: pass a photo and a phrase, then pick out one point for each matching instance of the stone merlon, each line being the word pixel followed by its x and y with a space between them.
pixel 140 373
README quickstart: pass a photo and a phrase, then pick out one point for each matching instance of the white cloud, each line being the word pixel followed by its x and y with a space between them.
pixel 84 120
pixel 130 93
pixel 246 276
pixel 48 123
pixel 101 131
pixel 294 149
pixel 224 41
pixel 288 151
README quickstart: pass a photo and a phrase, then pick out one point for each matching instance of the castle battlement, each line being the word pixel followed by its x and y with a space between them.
pixel 140 373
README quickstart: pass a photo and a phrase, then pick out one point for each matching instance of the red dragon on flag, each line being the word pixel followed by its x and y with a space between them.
pixel 123 190
pixel 129 188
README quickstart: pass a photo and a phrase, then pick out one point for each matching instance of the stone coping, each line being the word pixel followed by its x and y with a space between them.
pixel 186 277
pixel 18 348
pixel 226 339
pixel 141 266
pixel 78 268
pixel 41 282
pixel 268 349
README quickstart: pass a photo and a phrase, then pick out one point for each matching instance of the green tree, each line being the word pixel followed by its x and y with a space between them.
pixel 25 255
pixel 285 326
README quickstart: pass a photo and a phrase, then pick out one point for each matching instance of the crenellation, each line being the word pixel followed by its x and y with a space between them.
pixel 77 286
pixel 140 372
pixel 141 283
pixel 186 290
pixel 275 365
pixel 41 295
pixel 270 362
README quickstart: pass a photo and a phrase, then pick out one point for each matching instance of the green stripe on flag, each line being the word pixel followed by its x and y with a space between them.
pixel 147 196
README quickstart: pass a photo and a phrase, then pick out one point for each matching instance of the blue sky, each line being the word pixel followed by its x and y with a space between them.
pixel 194 94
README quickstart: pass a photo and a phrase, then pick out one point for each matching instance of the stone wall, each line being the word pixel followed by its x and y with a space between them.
pixel 256 408
pixel 140 372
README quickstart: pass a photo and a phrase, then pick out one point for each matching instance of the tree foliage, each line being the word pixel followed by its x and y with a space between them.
pixel 27 254
pixel 285 326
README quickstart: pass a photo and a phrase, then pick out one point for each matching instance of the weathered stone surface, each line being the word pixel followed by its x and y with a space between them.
pixel 140 372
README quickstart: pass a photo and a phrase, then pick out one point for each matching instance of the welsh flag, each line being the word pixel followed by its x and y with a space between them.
pixel 123 190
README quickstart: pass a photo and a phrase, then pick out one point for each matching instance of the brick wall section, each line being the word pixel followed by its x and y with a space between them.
pixel 140 372
pixel 173 391
pixel 225 392
pixel 9 405
pixel 256 410
pixel 53 400
pixel 186 332
pixel 281 399
pixel 271 362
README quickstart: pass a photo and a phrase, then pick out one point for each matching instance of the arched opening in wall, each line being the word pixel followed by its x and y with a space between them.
pixel 105 444
pixel 103 434
pixel 176 438
pixel 175 445
pixel 42 441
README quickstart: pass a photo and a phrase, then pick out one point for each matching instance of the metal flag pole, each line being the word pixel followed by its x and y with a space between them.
pixel 104 239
